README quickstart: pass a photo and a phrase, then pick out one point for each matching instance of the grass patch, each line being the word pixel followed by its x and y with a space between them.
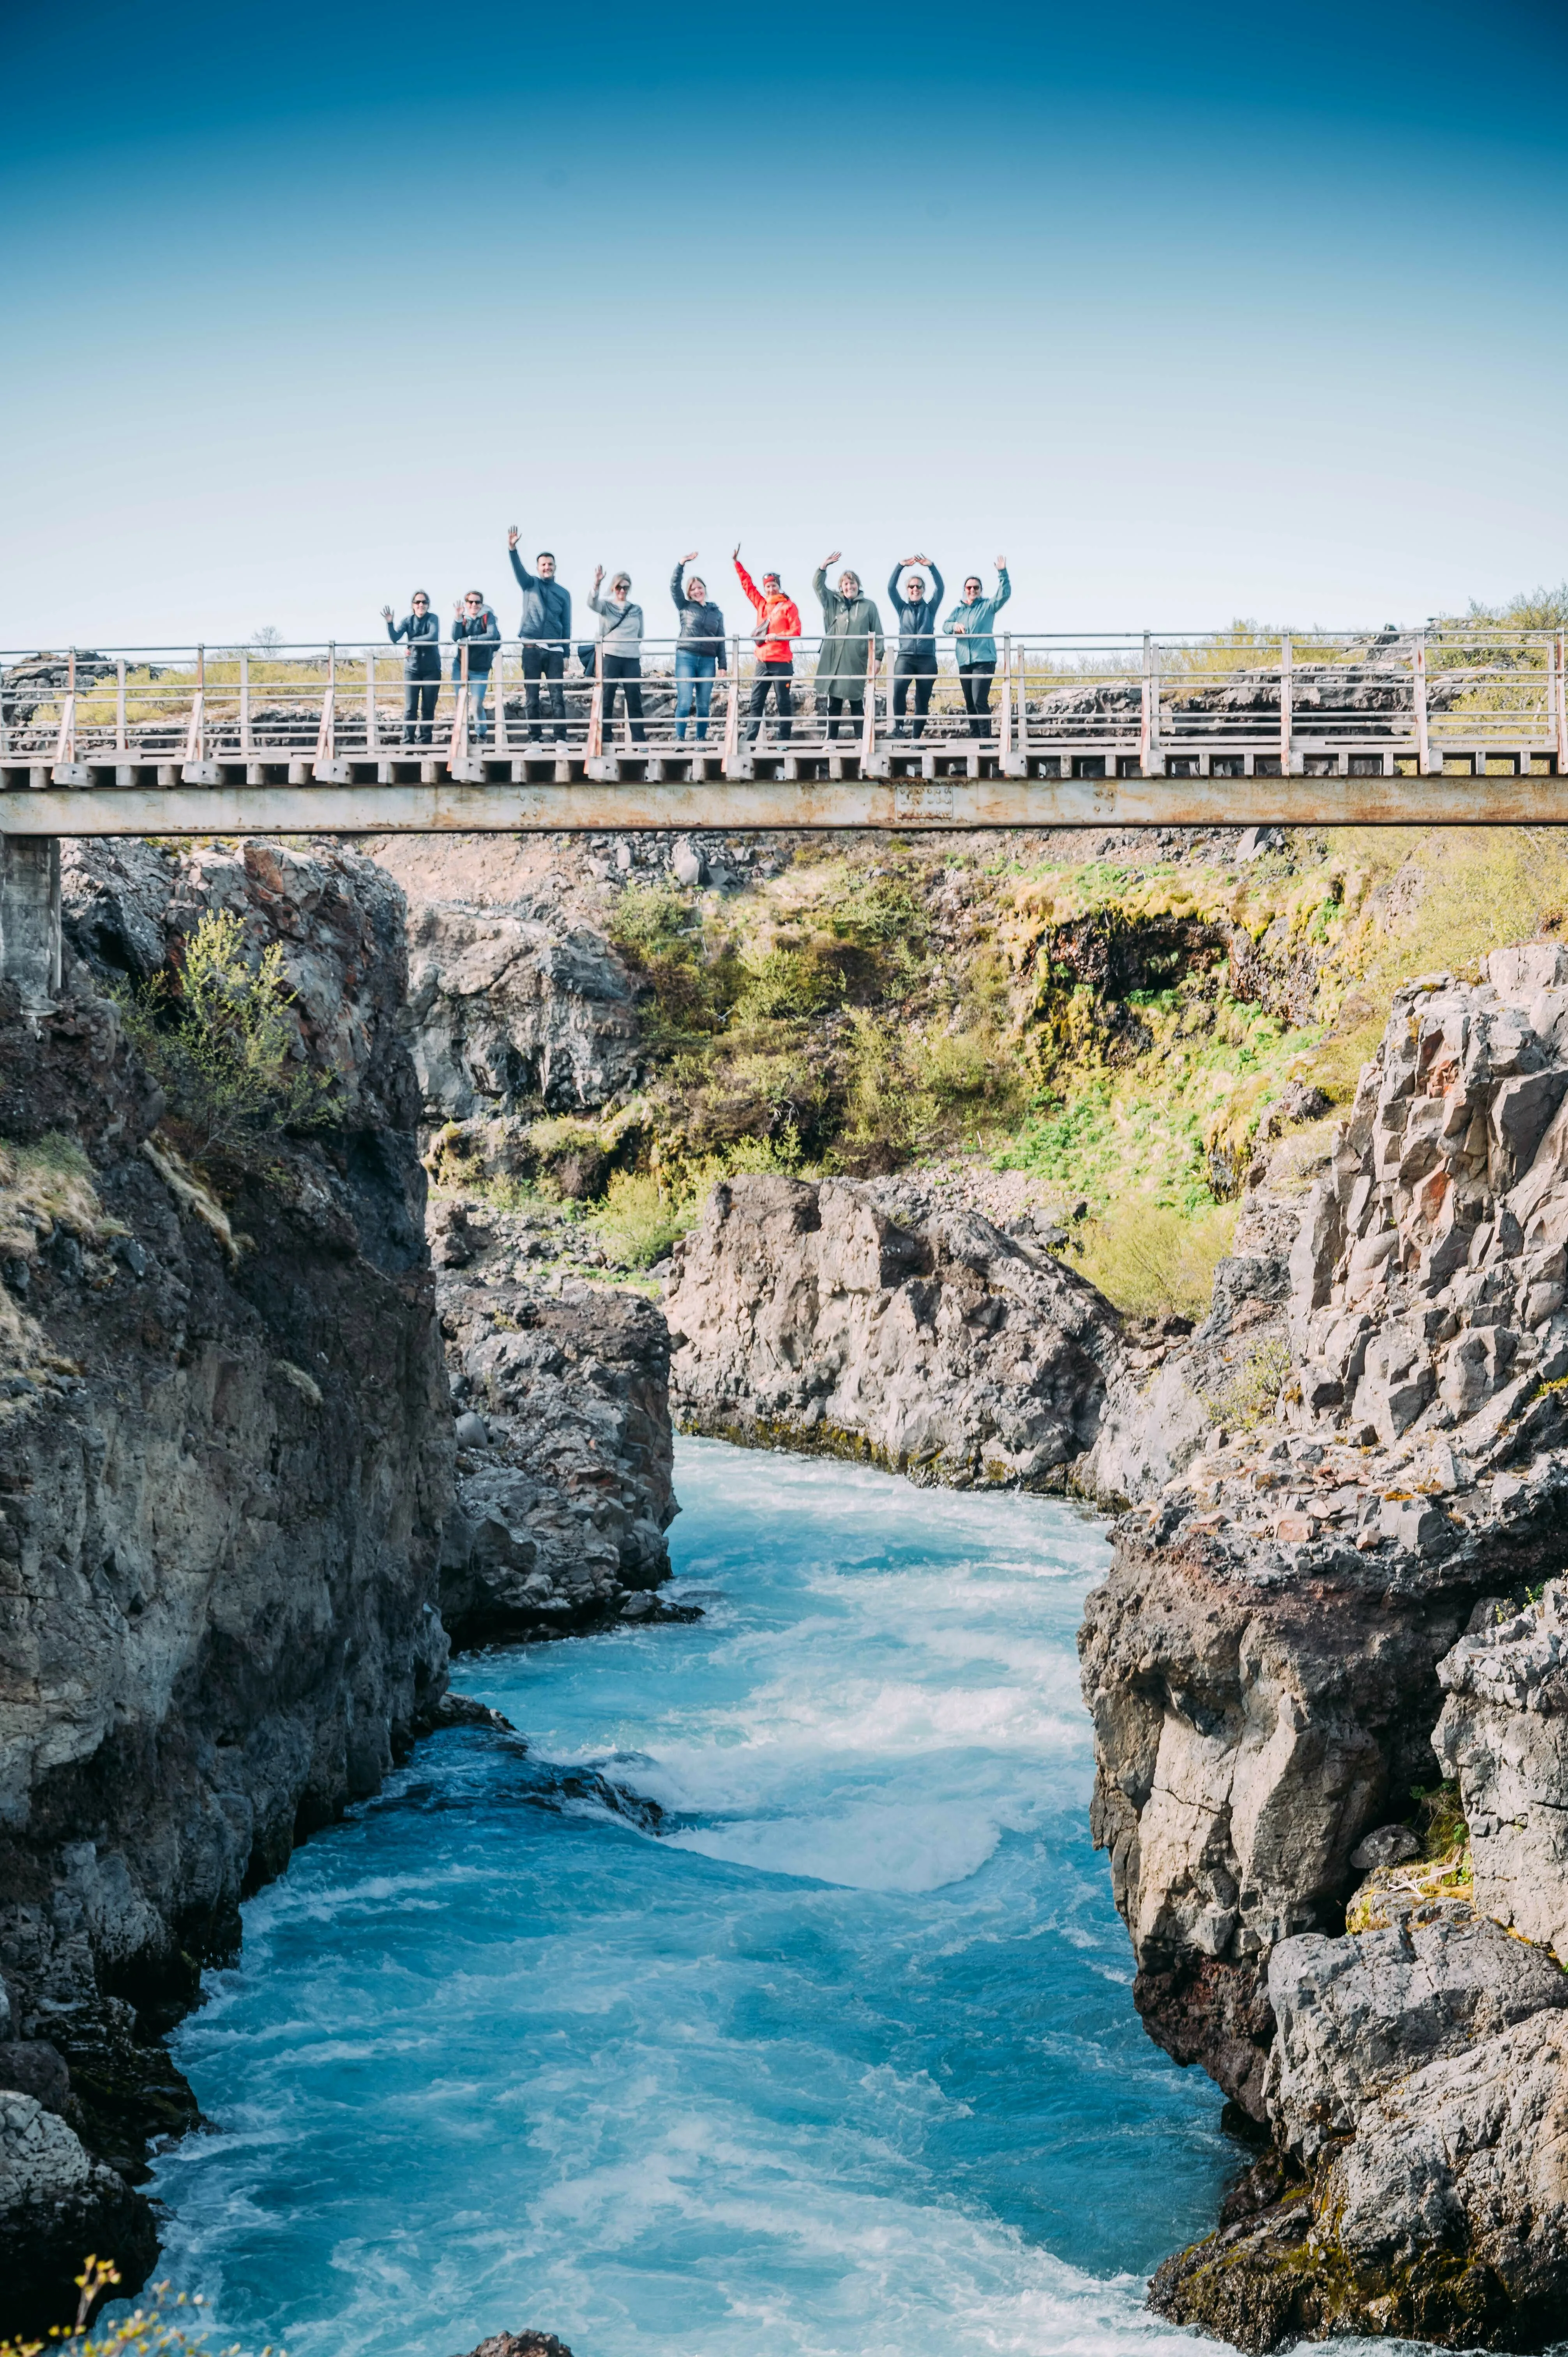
pixel 1154 1261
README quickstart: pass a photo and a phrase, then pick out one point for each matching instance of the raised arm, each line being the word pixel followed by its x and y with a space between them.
pixel 526 580
pixel 894 578
pixel 939 587
pixel 678 588
pixel 825 596
pixel 396 630
pixel 1005 586
pixel 749 585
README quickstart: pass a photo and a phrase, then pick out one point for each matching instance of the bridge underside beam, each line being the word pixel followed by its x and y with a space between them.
pixel 593 807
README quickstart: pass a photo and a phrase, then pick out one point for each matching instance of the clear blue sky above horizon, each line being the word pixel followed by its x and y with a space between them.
pixel 1193 313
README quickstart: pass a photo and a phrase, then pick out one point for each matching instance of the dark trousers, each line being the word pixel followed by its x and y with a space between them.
pixel 544 663
pixel 924 681
pixel 975 681
pixel 625 671
pixel 836 703
pixel 419 703
pixel 777 677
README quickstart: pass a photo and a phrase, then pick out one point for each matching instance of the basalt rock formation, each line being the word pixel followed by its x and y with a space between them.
pixel 860 1318
pixel 1267 1667
pixel 564 1461
pixel 226 1457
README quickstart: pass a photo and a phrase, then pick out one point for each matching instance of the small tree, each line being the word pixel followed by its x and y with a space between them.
pixel 217 1038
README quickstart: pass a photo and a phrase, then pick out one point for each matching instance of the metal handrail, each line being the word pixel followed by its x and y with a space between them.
pixel 1273 702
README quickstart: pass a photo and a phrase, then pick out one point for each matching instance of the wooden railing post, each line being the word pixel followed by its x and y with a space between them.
pixel 596 706
pixel 196 734
pixel 497 672
pixel 732 716
pixel 1287 704
pixel 1005 718
pixel 459 742
pixel 868 711
pixel 1418 675
pixel 373 740
pixel 122 742
pixel 65 742
pixel 1146 709
pixel 326 735
pixel 1560 651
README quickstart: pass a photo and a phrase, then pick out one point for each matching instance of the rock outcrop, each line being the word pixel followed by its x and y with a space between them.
pixel 564 1467
pixel 1267 1666
pixel 225 1459
pixel 857 1317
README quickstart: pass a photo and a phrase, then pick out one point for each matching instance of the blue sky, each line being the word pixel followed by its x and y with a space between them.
pixel 1193 314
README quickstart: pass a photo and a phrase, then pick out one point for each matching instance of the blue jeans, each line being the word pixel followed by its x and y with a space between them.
pixel 479 682
pixel 693 680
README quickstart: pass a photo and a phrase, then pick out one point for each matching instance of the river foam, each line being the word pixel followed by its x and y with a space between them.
pixel 841 2059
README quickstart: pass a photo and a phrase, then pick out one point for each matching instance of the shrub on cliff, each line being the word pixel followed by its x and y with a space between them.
pixel 216 1036
pixel 144 2332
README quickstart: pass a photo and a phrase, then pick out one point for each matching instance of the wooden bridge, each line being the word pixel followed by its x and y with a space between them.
pixel 1452 725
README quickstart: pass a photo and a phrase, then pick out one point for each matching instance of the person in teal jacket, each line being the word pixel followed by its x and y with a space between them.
pixel 969 626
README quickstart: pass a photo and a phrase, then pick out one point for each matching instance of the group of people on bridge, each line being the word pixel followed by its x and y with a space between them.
pixel 852 644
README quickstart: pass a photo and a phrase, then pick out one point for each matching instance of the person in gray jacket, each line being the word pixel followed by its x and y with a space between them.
pixel 699 649
pixel 620 650
pixel 422 664
pixel 851 628
pixel 545 630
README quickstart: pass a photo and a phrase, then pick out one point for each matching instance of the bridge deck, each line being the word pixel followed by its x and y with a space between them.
pixel 1447 726
pixel 683 804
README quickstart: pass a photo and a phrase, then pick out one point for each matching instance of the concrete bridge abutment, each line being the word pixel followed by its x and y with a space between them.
pixel 29 917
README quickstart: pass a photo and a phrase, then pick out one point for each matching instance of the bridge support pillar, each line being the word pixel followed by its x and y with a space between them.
pixel 29 917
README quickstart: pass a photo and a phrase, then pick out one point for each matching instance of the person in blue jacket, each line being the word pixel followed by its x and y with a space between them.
pixel 478 628
pixel 969 626
pixel 545 630
pixel 422 664
pixel 917 658
pixel 699 649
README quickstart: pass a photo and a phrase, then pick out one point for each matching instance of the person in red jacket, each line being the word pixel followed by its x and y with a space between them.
pixel 778 621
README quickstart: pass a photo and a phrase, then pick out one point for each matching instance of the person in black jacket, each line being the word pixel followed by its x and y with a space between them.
pixel 422 664
pixel 699 650
pixel 545 630
pixel 476 627
pixel 917 643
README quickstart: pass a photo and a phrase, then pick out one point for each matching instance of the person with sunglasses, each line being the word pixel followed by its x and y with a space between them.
pixel 699 649
pixel 970 625
pixel 851 628
pixel 422 665
pixel 916 657
pixel 619 651
pixel 478 628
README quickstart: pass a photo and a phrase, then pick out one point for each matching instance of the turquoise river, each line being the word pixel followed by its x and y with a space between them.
pixel 834 2055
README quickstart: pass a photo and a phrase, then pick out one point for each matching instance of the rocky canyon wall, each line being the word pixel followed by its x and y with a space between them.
pixel 1308 1629
pixel 226 1466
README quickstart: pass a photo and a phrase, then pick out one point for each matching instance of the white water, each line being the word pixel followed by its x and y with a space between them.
pixel 844 2062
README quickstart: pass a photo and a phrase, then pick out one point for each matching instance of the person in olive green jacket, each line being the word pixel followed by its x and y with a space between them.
pixel 851 626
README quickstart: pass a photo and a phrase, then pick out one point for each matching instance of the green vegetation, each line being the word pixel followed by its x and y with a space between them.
pixel 144 2332
pixel 218 1037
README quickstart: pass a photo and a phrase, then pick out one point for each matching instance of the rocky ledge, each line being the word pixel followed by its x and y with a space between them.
pixel 226 1452
pixel 1309 1627
pixel 863 1318
pixel 565 1459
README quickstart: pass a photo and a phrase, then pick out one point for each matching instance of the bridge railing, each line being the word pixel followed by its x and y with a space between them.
pixel 1457 696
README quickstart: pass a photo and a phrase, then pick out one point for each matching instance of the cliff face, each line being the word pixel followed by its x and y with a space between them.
pixel 565 1459
pixel 1267 1668
pixel 226 1462
pixel 865 1319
